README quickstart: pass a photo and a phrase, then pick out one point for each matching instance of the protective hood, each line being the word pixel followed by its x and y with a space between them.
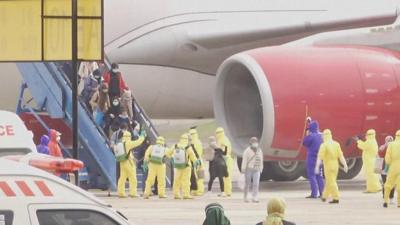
pixel 220 134
pixel 183 141
pixel 370 134
pixel 397 136
pixel 327 135
pixel 215 215
pixel 44 140
pixel 313 127
pixel 127 136
pixel 193 133
pixel 160 140
pixel 53 135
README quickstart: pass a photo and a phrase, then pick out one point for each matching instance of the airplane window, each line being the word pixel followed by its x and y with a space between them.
pixel 73 217
pixel 6 217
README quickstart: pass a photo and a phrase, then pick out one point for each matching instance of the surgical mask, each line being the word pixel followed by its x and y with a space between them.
pixel 96 77
pixel 115 103
pixel 105 90
pixel 58 138
pixel 254 145
pixel 115 70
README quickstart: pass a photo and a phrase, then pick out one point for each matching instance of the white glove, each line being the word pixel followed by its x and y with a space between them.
pixel 317 167
pixel 316 170
pixel 344 163
pixel 345 168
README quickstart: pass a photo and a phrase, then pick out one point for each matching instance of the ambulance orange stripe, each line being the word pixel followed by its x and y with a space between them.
pixel 6 189
pixel 24 188
pixel 43 188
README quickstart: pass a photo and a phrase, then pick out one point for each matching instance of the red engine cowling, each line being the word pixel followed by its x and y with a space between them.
pixel 269 92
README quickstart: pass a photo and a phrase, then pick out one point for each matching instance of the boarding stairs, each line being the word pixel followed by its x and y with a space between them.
pixel 50 89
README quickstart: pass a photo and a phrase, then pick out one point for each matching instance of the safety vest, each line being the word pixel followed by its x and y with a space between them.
pixel 157 154
pixel 180 159
pixel 120 153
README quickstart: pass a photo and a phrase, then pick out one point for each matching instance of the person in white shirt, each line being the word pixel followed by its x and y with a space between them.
pixel 252 166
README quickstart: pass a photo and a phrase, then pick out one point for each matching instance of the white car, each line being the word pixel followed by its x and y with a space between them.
pixel 29 196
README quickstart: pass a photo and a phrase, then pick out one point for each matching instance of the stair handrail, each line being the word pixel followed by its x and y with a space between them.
pixel 138 109
pixel 66 80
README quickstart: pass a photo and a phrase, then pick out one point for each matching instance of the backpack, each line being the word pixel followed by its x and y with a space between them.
pixel 157 155
pixel 180 159
pixel 120 153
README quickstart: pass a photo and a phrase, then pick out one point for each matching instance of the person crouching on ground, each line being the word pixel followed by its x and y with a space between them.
pixel 215 215
pixel 276 213
pixel 252 166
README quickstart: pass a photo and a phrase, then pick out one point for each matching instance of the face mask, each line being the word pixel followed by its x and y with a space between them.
pixel 115 70
pixel 213 144
pixel 115 103
pixel 105 90
pixel 254 145
pixel 58 138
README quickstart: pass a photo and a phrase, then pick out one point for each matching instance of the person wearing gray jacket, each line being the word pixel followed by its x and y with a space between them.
pixel 252 166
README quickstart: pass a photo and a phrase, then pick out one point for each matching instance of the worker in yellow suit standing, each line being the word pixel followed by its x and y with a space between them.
pixel 330 154
pixel 128 165
pixel 226 146
pixel 392 159
pixel 154 161
pixel 369 149
pixel 183 157
pixel 198 150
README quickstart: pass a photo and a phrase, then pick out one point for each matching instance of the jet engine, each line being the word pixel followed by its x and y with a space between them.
pixel 269 92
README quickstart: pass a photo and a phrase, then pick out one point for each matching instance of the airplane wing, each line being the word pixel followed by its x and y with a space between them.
pixel 202 42
pixel 215 37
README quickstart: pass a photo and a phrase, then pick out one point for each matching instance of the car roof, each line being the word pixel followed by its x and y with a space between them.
pixel 21 137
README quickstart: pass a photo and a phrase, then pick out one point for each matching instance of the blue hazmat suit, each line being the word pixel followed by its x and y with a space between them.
pixel 313 142
pixel 43 146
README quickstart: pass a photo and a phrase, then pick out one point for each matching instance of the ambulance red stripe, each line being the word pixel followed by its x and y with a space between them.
pixel 43 188
pixel 24 188
pixel 6 189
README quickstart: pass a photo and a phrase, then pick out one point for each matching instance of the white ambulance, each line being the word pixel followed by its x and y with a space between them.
pixel 29 196
pixel 15 138
pixel 16 143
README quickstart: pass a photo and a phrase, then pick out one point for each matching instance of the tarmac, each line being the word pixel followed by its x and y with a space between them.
pixel 355 207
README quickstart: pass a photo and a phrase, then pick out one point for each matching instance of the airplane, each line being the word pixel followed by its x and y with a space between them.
pixel 172 56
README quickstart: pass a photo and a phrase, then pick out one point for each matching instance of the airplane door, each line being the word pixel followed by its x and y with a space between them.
pixel 381 94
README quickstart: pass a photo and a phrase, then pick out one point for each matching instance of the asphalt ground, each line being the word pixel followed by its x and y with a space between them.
pixel 355 207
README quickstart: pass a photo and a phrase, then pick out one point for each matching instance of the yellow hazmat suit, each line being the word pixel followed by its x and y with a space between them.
pixel 392 159
pixel 369 155
pixel 128 167
pixel 154 157
pixel 330 153
pixel 224 143
pixel 199 149
pixel 182 164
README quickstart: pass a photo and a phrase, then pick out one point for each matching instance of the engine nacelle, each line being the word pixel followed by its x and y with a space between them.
pixel 269 92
